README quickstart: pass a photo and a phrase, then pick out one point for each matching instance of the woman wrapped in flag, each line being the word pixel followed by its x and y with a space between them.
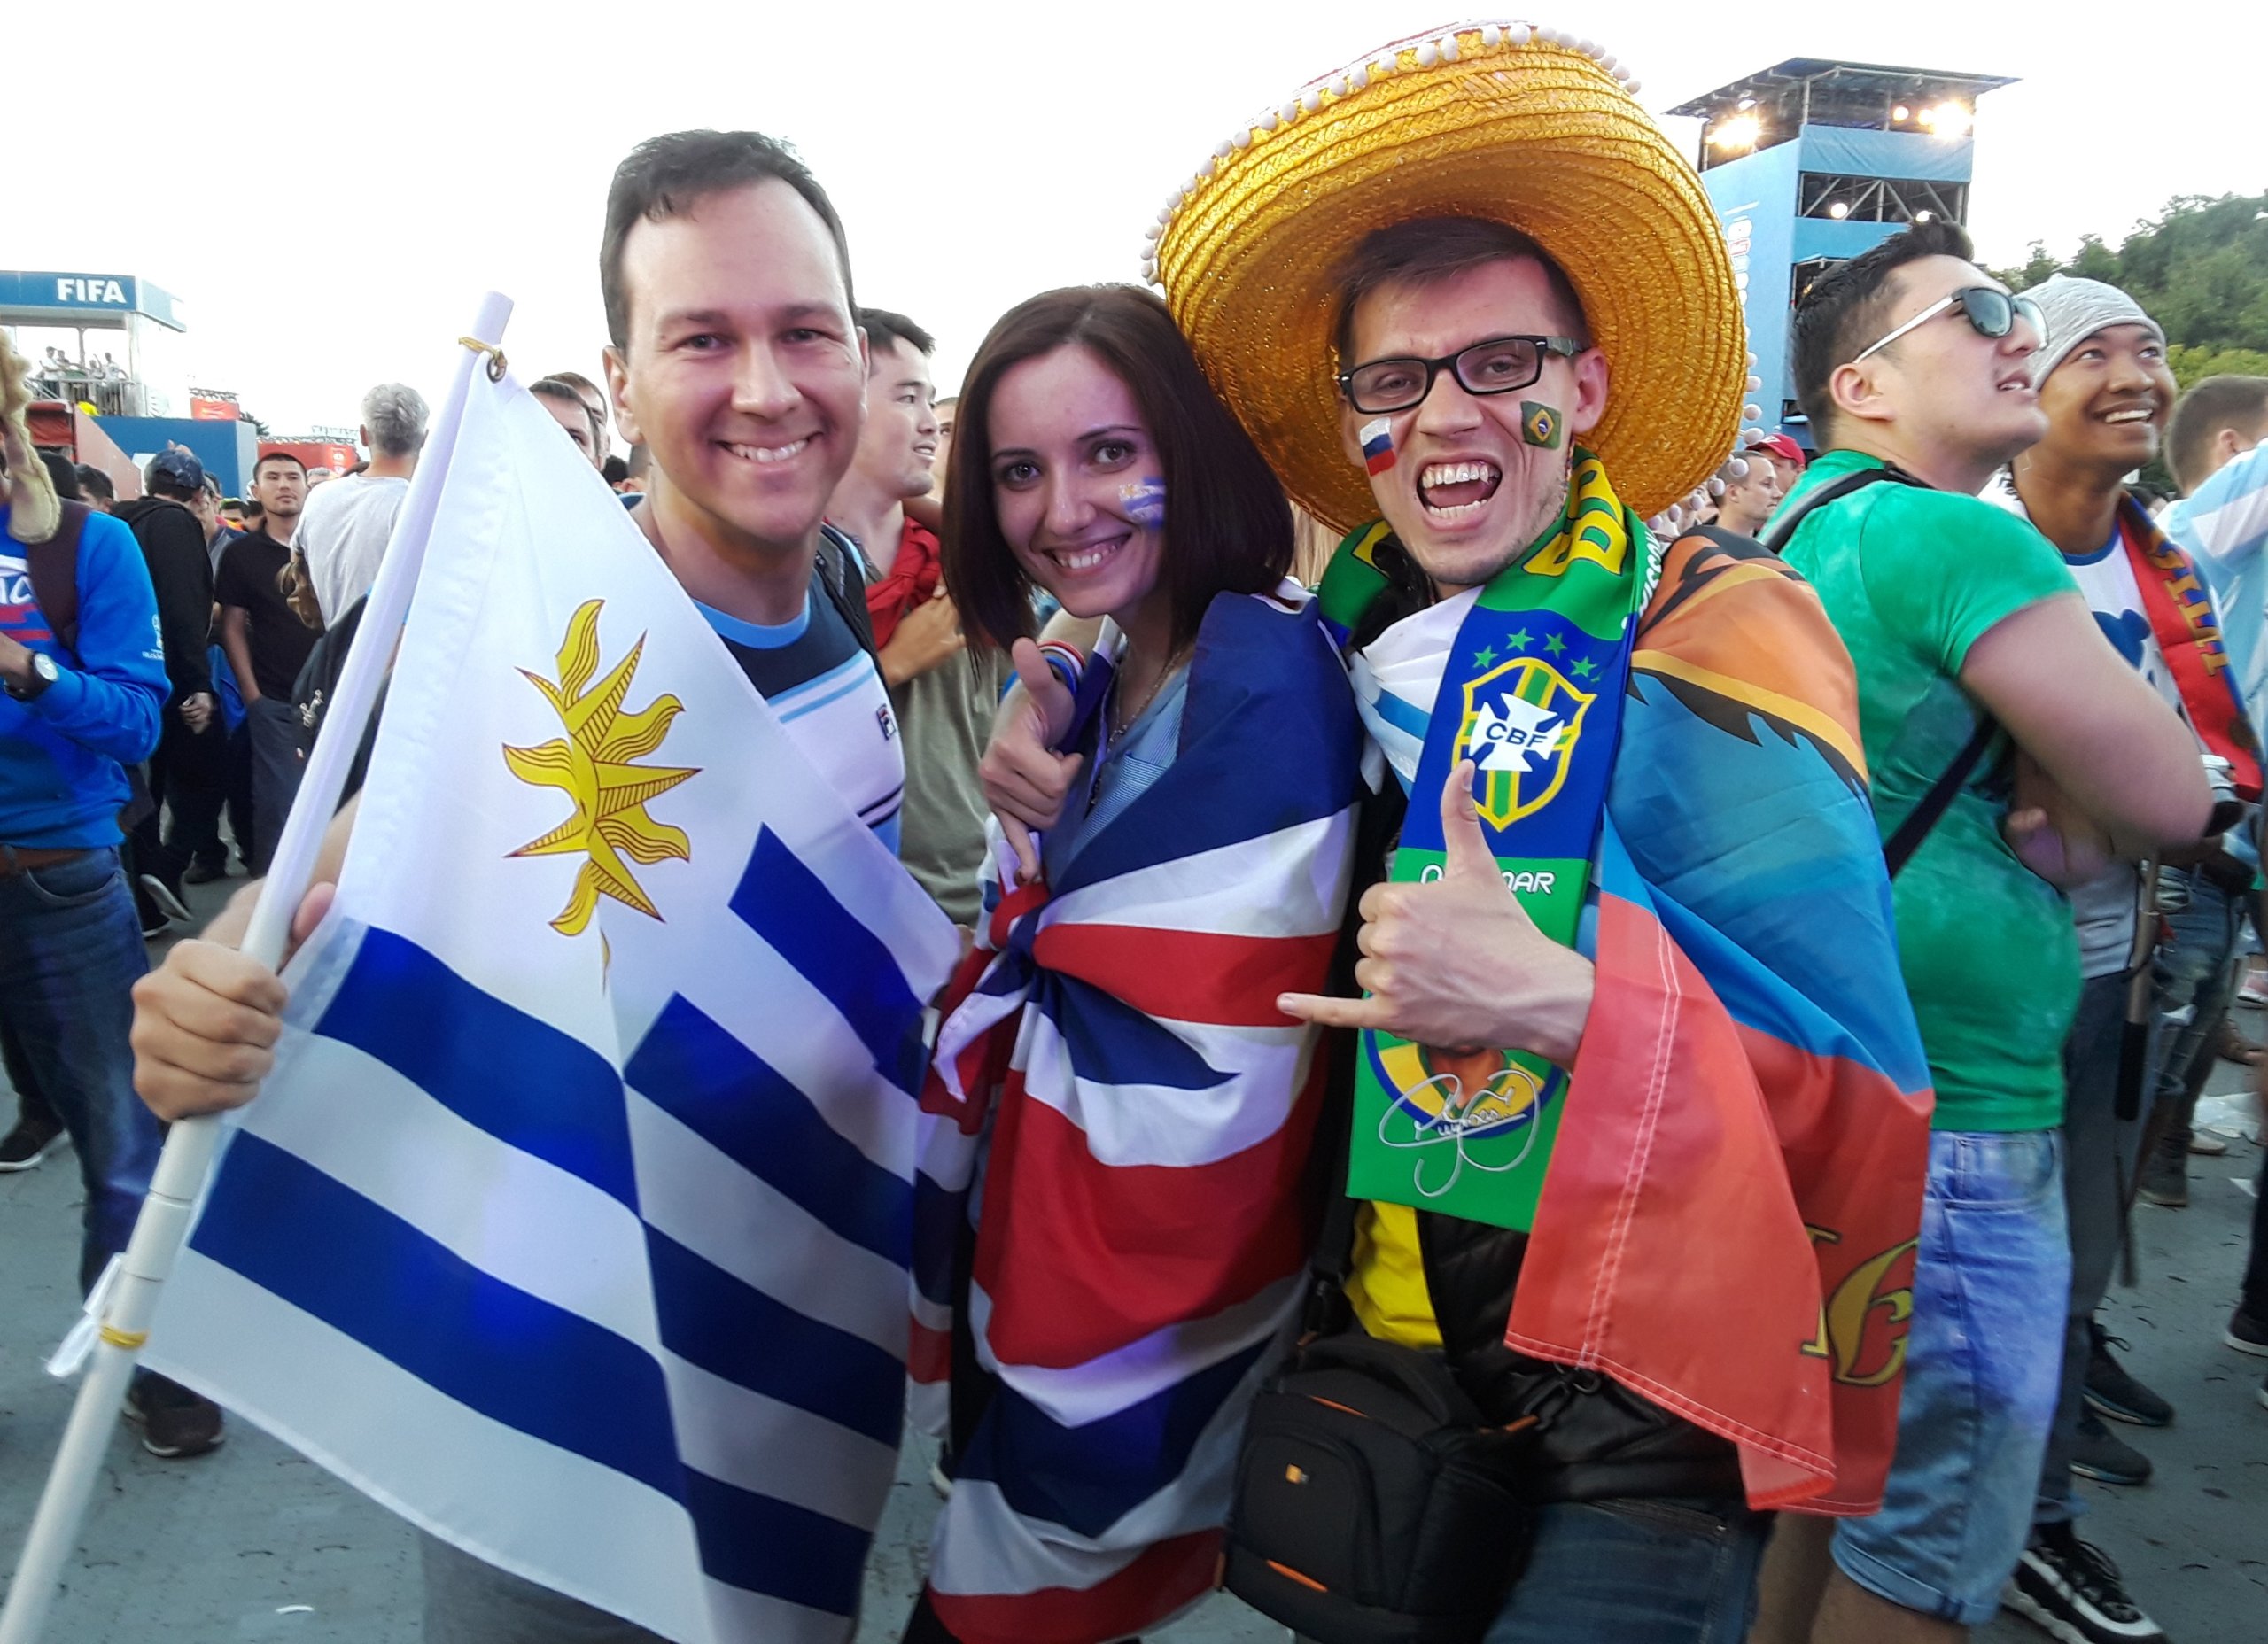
pixel 1115 1205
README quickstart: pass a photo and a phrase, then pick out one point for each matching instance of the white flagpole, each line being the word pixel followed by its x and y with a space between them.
pixel 163 1224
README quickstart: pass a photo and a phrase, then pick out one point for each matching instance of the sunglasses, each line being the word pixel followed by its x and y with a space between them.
pixel 1991 313
pixel 1498 366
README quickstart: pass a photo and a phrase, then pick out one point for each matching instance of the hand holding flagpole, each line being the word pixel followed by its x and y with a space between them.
pixel 191 1143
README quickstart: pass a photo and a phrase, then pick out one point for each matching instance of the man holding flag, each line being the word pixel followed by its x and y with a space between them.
pixel 575 1222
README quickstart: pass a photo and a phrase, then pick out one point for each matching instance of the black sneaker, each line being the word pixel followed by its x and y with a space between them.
pixel 2247 1334
pixel 2113 1393
pixel 2071 1588
pixel 2102 1455
pixel 31 1141
pixel 204 872
pixel 176 1422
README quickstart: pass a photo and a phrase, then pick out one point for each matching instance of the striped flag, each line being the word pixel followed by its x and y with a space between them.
pixel 1142 1232
pixel 574 1223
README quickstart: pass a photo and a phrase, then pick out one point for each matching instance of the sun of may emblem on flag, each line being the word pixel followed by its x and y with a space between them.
pixel 1521 720
pixel 593 764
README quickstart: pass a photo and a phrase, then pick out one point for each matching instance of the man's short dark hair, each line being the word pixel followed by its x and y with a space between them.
pixel 615 470
pixel 95 482
pixel 1430 250
pixel 1847 307
pixel 266 457
pixel 665 176
pixel 2214 404
pixel 562 389
pixel 886 330
pixel 577 381
pixel 60 471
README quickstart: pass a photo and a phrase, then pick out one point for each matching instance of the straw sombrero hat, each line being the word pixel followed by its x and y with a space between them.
pixel 1528 127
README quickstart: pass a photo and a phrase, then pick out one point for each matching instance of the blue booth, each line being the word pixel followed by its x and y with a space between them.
pixel 1812 161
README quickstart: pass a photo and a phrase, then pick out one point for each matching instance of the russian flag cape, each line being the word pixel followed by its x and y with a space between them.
pixel 1127 1118
pixel 1728 1223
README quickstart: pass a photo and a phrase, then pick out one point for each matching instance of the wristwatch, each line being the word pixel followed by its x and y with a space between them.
pixel 45 673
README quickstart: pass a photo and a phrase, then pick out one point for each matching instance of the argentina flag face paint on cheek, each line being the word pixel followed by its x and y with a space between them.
pixel 1144 501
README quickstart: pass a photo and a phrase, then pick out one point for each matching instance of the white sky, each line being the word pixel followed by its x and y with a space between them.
pixel 330 197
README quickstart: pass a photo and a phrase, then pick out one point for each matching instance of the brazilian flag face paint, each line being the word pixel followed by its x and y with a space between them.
pixel 1542 425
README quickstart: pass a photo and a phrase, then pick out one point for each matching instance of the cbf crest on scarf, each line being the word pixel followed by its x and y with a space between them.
pixel 1530 689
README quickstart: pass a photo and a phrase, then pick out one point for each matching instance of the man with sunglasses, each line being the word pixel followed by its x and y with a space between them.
pixel 1914 367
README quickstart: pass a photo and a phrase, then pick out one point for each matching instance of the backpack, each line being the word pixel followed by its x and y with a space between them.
pixel 53 567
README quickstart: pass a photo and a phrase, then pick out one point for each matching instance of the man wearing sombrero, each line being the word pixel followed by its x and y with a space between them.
pixel 1466 291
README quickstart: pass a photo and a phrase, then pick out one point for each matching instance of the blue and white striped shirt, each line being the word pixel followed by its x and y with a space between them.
pixel 2224 525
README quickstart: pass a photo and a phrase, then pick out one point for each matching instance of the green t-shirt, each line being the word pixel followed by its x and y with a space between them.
pixel 1912 578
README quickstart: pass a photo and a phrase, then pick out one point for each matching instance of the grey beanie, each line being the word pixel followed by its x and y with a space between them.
pixel 2075 310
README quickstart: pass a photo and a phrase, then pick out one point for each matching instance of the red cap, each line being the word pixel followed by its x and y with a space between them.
pixel 1779 445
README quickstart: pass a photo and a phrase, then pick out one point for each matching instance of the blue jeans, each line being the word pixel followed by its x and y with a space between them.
pixel 70 953
pixel 2099 1155
pixel 2195 972
pixel 1984 1360
pixel 1670 1572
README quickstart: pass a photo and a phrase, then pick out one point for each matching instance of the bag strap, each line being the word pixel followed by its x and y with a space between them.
pixel 1785 523
pixel 844 582
pixel 1902 843
pixel 53 567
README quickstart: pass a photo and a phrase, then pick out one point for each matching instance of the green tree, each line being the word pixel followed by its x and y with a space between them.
pixel 2192 365
pixel 2199 267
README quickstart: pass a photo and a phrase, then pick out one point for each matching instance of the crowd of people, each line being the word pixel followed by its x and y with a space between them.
pixel 1841 867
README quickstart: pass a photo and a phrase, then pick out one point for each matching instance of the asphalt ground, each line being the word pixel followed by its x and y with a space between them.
pixel 252 1543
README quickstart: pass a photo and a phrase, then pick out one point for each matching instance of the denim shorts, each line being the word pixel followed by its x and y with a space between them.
pixel 1983 1357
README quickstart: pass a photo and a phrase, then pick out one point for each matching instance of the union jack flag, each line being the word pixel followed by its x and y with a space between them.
pixel 1123 1120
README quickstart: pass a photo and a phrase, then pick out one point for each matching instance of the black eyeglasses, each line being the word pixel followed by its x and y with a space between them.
pixel 1990 312
pixel 1497 367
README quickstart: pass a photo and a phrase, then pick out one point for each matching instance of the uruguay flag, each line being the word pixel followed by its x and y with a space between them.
pixel 574 1221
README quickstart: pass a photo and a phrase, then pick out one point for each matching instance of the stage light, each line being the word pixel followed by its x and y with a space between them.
pixel 1947 119
pixel 1925 216
pixel 1838 211
pixel 1900 114
pixel 1740 132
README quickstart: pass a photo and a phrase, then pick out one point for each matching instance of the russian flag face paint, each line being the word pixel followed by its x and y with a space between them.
pixel 1144 501
pixel 1378 445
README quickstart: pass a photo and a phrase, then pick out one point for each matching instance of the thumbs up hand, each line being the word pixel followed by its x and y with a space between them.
pixel 1025 780
pixel 1457 961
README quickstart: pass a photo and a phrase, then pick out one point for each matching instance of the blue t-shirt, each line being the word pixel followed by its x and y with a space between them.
pixel 63 755
pixel 824 686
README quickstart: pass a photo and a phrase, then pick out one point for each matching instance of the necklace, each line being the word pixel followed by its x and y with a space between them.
pixel 1121 716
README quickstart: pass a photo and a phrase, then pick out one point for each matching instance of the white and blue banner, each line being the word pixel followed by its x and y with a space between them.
pixel 574 1221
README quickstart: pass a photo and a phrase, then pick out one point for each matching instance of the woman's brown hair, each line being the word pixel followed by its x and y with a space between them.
pixel 1228 526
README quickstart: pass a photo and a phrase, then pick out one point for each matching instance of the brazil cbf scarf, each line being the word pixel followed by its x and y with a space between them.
pixel 1526 678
